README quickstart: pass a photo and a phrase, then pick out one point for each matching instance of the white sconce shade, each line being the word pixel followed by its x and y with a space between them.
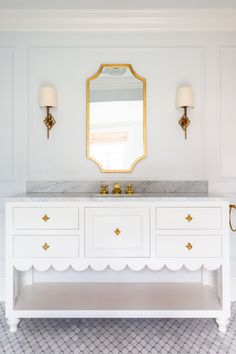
pixel 48 97
pixel 184 97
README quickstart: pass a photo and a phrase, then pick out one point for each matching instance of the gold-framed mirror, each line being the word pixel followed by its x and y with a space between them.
pixel 116 118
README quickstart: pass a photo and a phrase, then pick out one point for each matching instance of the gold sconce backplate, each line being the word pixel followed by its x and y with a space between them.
pixel 184 123
pixel 49 121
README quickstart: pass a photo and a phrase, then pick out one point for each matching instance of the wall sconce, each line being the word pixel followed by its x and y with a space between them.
pixel 184 99
pixel 48 99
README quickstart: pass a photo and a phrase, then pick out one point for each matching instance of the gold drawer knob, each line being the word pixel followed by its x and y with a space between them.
pixel 189 218
pixel 117 231
pixel 45 246
pixel 45 218
pixel 189 246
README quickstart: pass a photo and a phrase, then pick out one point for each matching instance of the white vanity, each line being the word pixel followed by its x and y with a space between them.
pixel 60 231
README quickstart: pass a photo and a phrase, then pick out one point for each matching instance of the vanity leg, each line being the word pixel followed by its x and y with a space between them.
pixel 13 323
pixel 222 323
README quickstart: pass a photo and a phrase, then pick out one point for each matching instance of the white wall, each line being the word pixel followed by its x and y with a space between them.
pixel 68 68
pixel 166 60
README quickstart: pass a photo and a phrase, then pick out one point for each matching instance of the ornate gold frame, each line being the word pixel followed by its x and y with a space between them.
pixel 88 116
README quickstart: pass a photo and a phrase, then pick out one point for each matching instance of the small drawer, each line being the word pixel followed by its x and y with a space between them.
pixel 46 218
pixel 188 218
pixel 46 246
pixel 188 246
pixel 117 232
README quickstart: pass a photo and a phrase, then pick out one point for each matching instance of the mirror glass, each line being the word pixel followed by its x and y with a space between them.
pixel 116 118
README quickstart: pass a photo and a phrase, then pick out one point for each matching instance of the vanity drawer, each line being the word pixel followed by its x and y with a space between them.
pixel 44 218
pixel 188 246
pixel 188 218
pixel 46 246
pixel 117 232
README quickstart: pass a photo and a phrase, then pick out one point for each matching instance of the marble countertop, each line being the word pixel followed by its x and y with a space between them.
pixel 90 197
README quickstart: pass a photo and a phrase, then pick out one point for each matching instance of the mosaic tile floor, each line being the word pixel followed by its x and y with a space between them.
pixel 117 336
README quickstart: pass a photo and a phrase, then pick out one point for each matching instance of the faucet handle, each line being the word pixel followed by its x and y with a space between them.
pixel 104 189
pixel 116 189
pixel 129 189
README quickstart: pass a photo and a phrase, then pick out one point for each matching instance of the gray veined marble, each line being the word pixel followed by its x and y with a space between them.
pixel 139 186
pixel 95 197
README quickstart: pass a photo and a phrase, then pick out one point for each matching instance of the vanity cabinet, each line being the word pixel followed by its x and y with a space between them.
pixel 134 232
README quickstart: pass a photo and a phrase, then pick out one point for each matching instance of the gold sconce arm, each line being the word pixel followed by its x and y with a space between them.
pixel 231 206
pixel 184 122
pixel 49 121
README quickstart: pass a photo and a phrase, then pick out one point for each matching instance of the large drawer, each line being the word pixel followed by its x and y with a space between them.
pixel 46 246
pixel 117 232
pixel 45 218
pixel 188 218
pixel 188 246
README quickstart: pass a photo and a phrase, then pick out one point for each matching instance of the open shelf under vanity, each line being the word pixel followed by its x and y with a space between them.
pixel 117 299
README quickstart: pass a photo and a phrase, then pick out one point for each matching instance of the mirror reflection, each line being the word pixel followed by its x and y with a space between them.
pixel 116 123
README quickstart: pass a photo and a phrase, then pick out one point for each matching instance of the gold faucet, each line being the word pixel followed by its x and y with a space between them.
pixel 129 189
pixel 116 189
pixel 104 189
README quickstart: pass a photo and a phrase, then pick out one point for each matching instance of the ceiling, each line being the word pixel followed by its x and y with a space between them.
pixel 114 4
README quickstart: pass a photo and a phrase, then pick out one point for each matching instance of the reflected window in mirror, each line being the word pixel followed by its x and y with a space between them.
pixel 116 118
